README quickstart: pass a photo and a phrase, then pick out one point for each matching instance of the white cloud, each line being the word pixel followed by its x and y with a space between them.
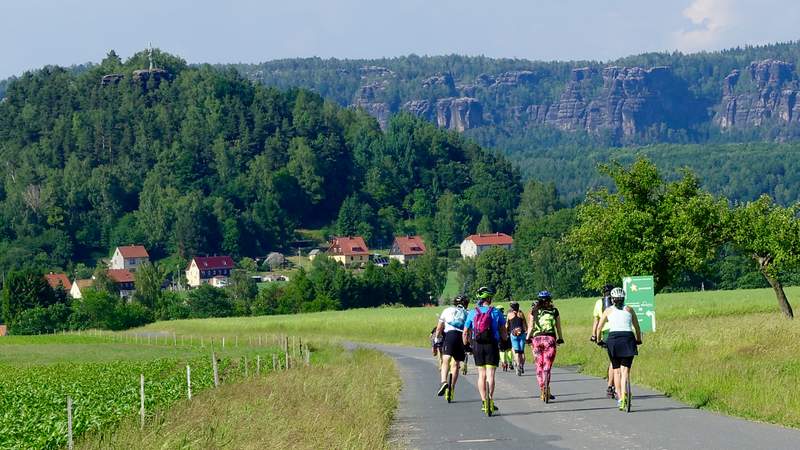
pixel 712 19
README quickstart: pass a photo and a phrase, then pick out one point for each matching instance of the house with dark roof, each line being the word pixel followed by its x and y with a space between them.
pixel 349 250
pixel 129 257
pixel 56 280
pixel 476 244
pixel 203 270
pixel 406 248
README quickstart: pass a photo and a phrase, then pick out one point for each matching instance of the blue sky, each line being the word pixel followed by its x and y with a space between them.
pixel 64 32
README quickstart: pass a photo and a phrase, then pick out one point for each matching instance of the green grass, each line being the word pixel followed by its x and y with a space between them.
pixel 712 349
pixel 451 288
pixel 345 401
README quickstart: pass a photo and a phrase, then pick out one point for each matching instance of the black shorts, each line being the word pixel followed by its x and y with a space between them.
pixel 453 345
pixel 486 354
pixel 626 361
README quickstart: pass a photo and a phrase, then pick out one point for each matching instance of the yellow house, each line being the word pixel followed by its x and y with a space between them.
pixel 349 250
pixel 203 270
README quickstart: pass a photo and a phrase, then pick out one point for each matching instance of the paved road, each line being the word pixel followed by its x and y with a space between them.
pixel 580 417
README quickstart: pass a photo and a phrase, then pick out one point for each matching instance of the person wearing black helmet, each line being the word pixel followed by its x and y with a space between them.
pixel 517 329
pixel 451 326
pixel 622 342
pixel 544 331
pixel 601 305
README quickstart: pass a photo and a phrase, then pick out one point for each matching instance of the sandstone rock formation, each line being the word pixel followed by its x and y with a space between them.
pixel 459 114
pixel 367 98
pixel 771 95
pixel 631 100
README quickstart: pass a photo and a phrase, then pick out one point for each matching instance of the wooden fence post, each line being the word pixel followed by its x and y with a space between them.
pixel 70 444
pixel 216 369
pixel 141 396
pixel 189 382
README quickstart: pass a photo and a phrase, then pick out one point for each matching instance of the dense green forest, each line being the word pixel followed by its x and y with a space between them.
pixel 199 160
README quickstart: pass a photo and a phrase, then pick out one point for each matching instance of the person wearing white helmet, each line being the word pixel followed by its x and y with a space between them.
pixel 622 342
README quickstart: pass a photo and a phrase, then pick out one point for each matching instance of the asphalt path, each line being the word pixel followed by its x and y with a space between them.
pixel 580 417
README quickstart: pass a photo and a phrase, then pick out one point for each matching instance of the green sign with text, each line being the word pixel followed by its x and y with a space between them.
pixel 641 296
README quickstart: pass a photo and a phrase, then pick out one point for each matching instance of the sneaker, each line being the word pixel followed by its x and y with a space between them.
pixel 494 407
pixel 483 405
pixel 623 404
pixel 610 392
pixel 442 389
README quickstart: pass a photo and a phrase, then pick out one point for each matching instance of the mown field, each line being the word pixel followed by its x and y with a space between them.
pixel 727 351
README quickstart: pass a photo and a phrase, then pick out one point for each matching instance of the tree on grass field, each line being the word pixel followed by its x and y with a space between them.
pixel 647 226
pixel 149 279
pixel 493 269
pixel 24 290
pixel 769 233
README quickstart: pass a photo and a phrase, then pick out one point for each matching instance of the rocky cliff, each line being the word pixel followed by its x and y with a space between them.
pixel 639 99
pixel 770 96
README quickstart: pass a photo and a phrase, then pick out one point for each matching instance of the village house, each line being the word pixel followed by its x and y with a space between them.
pixel 406 248
pixel 203 269
pixel 129 257
pixel 125 281
pixel 476 244
pixel 56 280
pixel 349 250
pixel 79 288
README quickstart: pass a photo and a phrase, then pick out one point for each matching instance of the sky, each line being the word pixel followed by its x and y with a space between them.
pixel 35 33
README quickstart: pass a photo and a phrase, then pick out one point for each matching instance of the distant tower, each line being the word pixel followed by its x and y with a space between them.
pixel 150 55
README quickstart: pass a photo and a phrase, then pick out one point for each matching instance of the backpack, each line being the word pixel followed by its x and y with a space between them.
pixel 545 322
pixel 607 303
pixel 458 319
pixel 482 326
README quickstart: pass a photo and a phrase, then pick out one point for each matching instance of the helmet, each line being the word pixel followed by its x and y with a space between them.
pixel 501 309
pixel 608 288
pixel 617 293
pixel 544 295
pixel 461 300
pixel 514 306
pixel 484 292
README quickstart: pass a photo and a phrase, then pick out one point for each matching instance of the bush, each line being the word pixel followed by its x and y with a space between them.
pixel 129 315
pixel 208 301
pixel 171 306
pixel 38 320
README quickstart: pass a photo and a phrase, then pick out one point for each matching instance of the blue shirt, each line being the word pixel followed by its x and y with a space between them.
pixel 498 320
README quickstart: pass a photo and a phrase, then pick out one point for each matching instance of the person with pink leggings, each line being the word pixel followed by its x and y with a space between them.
pixel 544 333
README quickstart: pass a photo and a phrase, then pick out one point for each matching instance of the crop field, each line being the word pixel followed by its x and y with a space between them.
pixel 102 377
pixel 712 349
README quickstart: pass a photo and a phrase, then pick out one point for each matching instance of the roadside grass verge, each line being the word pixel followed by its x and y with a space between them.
pixel 727 351
pixel 347 400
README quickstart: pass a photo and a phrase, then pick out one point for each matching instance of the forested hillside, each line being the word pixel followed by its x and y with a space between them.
pixel 196 160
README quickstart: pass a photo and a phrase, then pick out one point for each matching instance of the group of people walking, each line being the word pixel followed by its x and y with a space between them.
pixel 497 339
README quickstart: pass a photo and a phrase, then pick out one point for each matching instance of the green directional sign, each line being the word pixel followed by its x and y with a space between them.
pixel 641 296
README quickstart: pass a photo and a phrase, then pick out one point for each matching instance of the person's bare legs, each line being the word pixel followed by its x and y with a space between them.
pixel 445 367
pixel 617 382
pixel 490 371
pixel 454 372
pixel 610 375
pixel 482 382
pixel 623 381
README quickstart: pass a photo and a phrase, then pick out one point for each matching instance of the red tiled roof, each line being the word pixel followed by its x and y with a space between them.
pixel 56 279
pixel 348 246
pixel 83 284
pixel 133 251
pixel 491 239
pixel 213 262
pixel 121 275
pixel 410 245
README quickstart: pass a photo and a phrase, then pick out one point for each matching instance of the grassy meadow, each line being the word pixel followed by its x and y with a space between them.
pixel 727 351
pixel 346 400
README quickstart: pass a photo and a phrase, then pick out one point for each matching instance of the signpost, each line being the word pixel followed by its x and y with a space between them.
pixel 640 295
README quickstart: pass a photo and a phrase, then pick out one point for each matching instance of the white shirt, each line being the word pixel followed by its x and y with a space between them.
pixel 619 320
pixel 453 318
